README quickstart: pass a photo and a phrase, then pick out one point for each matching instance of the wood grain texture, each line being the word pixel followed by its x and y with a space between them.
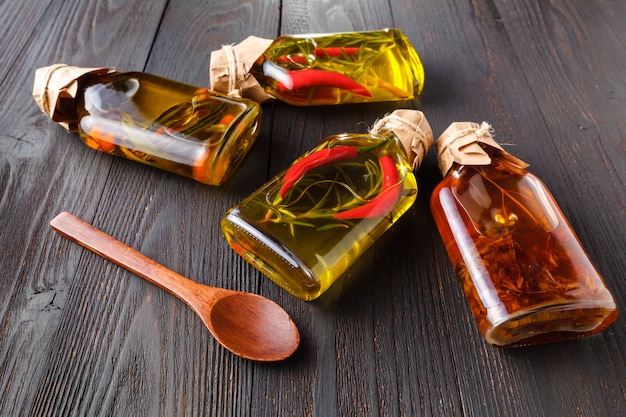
pixel 82 337
pixel 41 173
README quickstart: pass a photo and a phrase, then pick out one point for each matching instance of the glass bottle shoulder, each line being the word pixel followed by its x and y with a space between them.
pixel 499 198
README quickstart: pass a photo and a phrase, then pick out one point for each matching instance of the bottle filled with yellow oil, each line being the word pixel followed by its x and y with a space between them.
pixel 307 225
pixel 321 69
pixel 183 129
pixel 524 272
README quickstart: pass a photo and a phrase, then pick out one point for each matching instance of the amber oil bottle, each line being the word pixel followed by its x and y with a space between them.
pixel 524 272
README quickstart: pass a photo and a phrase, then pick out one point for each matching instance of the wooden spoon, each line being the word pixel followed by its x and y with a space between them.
pixel 248 325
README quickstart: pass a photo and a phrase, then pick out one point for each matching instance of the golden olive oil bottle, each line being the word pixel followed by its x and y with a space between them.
pixel 183 129
pixel 307 225
pixel 322 69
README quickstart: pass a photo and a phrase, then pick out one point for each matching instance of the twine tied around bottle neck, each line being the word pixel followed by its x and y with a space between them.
pixel 229 70
pixel 55 89
pixel 412 129
pixel 460 143
pixel 231 57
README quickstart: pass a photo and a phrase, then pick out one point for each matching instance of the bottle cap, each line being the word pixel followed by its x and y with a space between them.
pixel 230 69
pixel 460 143
pixel 55 89
pixel 413 130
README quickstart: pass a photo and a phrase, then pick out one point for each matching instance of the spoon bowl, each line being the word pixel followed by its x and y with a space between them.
pixel 250 326
pixel 236 321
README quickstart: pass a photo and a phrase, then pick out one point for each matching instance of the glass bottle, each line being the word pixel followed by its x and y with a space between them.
pixel 320 69
pixel 524 272
pixel 307 225
pixel 183 129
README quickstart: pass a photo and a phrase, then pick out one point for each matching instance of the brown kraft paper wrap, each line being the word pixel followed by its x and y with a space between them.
pixel 413 130
pixel 230 69
pixel 55 90
pixel 460 143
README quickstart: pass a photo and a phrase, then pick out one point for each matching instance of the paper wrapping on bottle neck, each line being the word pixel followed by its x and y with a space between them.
pixel 230 69
pixel 55 89
pixel 413 130
pixel 460 143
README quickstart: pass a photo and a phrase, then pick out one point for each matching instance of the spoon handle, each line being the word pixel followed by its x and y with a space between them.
pixel 97 241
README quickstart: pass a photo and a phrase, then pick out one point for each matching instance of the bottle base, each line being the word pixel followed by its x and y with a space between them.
pixel 271 258
pixel 549 324
pixel 237 141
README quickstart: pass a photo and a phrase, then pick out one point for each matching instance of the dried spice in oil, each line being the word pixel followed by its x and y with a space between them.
pixel 180 128
pixel 524 272
pixel 306 226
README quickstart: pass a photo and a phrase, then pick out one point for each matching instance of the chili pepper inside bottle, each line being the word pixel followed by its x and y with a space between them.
pixel 307 225
pixel 334 68
pixel 177 127
pixel 523 270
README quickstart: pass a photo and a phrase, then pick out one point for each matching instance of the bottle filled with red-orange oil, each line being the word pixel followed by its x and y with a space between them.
pixel 524 272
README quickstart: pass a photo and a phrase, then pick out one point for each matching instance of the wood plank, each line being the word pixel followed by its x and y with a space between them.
pixel 151 337
pixel 355 320
pixel 16 28
pixel 579 106
pixel 44 170
pixel 517 83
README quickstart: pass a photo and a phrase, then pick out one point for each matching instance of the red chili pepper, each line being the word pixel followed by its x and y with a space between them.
pixel 307 78
pixel 389 194
pixel 313 160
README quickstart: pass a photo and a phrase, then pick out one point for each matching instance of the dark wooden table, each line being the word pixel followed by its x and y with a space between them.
pixel 82 337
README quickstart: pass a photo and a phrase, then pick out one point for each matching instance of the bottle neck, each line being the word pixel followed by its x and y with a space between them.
pixel 412 130
pixel 468 143
pixel 501 164
pixel 55 89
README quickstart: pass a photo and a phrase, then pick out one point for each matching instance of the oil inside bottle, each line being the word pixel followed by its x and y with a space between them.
pixel 341 68
pixel 524 272
pixel 297 239
pixel 169 125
